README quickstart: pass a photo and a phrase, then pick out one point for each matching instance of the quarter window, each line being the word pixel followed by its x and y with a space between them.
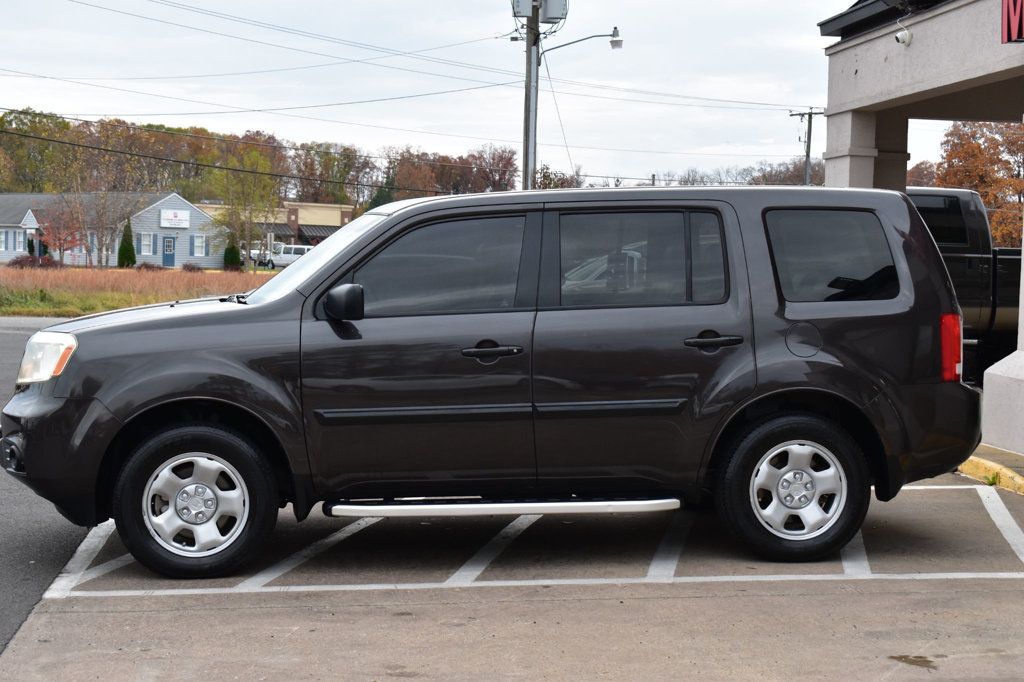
pixel 615 259
pixel 831 255
pixel 450 267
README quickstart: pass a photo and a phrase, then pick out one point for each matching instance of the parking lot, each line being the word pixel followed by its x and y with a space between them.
pixel 931 588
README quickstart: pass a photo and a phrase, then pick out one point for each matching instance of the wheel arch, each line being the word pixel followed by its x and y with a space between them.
pixel 211 411
pixel 813 401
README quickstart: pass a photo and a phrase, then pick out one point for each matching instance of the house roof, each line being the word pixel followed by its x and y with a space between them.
pixel 865 15
pixel 15 205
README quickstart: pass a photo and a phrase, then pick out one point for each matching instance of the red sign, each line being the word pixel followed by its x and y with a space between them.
pixel 1013 21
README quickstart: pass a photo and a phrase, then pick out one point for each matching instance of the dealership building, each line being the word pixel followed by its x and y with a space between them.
pixel 897 60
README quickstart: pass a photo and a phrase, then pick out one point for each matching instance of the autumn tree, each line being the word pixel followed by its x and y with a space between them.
pixel 988 158
pixel 250 198
pixel 546 178
pixel 922 174
pixel 60 229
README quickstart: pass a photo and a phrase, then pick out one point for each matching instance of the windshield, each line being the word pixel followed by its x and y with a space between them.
pixel 302 269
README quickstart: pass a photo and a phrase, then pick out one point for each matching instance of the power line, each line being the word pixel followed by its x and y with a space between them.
pixel 213 166
pixel 321 65
pixel 234 110
pixel 769 106
pixel 554 98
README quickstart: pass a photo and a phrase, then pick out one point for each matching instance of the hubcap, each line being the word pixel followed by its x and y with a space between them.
pixel 195 504
pixel 798 490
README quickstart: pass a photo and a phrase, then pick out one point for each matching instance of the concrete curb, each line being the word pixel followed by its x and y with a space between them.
pixel 987 471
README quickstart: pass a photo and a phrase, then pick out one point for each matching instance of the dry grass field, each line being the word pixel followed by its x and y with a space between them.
pixel 69 292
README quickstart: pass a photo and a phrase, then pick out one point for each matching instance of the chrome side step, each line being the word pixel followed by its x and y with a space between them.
pixel 491 508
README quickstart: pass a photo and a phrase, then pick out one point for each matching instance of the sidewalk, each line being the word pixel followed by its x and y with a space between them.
pixel 996 467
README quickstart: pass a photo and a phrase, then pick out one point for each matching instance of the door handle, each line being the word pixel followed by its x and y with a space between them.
pixel 492 352
pixel 713 342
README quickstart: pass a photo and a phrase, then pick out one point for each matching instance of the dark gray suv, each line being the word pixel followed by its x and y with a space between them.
pixel 781 350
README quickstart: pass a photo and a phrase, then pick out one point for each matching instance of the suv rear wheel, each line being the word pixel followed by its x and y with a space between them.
pixel 796 488
pixel 195 501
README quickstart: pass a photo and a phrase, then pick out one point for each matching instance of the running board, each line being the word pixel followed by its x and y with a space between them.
pixel 491 508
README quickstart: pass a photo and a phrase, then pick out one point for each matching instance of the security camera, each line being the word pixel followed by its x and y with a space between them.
pixel 904 37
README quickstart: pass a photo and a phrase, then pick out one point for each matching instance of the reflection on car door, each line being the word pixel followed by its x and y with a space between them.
pixel 431 391
pixel 643 339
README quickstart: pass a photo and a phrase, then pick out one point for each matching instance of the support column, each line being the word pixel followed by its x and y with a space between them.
pixel 850 151
pixel 891 143
pixel 1002 407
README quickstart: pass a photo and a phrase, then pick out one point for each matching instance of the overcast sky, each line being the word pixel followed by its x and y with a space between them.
pixel 748 50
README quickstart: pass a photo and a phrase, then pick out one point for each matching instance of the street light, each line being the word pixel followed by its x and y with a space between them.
pixel 534 55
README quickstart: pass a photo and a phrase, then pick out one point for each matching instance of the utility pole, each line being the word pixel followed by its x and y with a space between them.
pixel 809 114
pixel 530 101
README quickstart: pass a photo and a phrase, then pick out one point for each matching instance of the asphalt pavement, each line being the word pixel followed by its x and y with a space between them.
pixel 36 541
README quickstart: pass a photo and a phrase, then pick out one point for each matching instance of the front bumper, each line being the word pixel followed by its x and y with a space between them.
pixel 56 446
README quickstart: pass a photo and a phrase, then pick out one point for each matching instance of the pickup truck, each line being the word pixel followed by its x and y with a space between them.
pixel 986 278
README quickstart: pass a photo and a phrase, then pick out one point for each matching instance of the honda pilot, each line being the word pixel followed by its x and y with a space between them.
pixel 782 352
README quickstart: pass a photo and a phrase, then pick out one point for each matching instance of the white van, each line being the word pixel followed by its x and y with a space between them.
pixel 286 254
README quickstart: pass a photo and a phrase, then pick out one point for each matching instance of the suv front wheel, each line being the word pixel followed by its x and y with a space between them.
pixel 796 488
pixel 195 501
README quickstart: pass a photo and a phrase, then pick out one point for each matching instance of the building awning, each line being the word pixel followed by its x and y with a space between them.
pixel 317 231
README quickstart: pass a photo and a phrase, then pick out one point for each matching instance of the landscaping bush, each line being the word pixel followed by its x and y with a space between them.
pixel 191 267
pixel 126 251
pixel 31 262
pixel 148 266
pixel 232 257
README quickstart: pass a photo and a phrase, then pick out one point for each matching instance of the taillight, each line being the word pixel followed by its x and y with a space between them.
pixel 952 347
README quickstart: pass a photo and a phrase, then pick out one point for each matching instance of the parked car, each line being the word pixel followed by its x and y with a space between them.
pixel 781 350
pixel 260 255
pixel 986 278
pixel 286 254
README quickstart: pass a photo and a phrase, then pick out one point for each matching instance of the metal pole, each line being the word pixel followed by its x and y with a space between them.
pixel 530 101
pixel 807 154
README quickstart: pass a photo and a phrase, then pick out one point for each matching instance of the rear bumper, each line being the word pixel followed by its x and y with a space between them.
pixel 942 428
pixel 55 447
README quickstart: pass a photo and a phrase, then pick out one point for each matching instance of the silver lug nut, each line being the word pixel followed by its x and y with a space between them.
pixel 209 504
pixel 807 486
pixel 183 496
pixel 789 498
pixel 798 476
pixel 785 485
pixel 200 516
pixel 200 490
pixel 186 511
pixel 803 500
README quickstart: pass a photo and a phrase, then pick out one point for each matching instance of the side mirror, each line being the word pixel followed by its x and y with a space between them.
pixel 344 303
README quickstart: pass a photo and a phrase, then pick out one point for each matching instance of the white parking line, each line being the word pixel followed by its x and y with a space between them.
pixel 271 573
pixel 479 562
pixel 86 553
pixel 1004 521
pixel 666 558
pixel 554 582
pixel 105 567
pixel 855 557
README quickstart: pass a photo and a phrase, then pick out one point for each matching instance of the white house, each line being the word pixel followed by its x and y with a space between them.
pixel 169 231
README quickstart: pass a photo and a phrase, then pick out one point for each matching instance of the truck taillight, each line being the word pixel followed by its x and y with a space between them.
pixel 952 347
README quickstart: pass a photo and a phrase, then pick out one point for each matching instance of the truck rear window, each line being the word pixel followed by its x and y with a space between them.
pixel 831 255
pixel 943 216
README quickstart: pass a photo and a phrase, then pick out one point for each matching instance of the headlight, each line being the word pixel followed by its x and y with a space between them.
pixel 46 356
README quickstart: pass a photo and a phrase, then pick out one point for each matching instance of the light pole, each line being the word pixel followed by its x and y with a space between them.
pixel 534 55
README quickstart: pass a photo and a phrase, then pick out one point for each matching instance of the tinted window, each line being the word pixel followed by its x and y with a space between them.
pixel 447 267
pixel 944 217
pixel 831 256
pixel 708 258
pixel 640 259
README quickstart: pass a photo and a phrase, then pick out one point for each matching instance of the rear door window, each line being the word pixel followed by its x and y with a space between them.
pixel 944 217
pixel 641 259
pixel 831 255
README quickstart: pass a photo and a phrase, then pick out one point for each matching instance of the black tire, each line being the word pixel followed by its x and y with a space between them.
pixel 149 457
pixel 733 490
pixel 272 265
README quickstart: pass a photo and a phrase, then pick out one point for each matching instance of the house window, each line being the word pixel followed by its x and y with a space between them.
pixel 20 245
pixel 147 244
pixel 200 245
